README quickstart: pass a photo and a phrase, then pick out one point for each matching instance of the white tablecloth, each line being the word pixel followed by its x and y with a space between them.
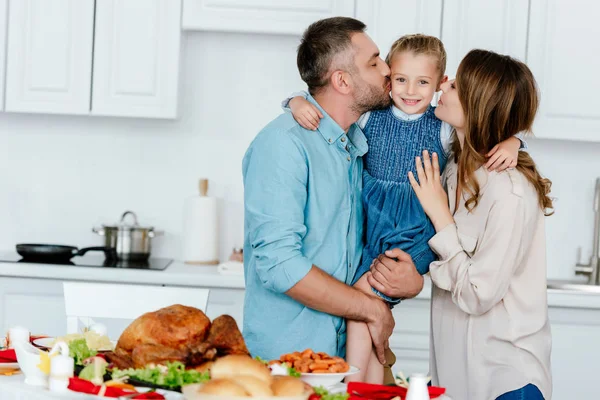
pixel 14 388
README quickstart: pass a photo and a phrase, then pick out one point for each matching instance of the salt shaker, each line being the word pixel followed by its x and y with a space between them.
pixel 417 387
pixel 61 368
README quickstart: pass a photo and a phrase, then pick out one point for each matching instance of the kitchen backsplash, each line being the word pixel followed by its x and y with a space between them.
pixel 62 175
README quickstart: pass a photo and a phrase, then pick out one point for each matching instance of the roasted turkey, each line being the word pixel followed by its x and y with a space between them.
pixel 177 333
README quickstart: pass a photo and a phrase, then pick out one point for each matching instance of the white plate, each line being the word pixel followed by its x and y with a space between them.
pixel 327 380
pixel 47 343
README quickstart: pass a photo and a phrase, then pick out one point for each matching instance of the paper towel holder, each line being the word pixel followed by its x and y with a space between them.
pixel 203 192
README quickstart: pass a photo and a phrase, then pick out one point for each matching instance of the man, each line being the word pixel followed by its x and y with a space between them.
pixel 303 210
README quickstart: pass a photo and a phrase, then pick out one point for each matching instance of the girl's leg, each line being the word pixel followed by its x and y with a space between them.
pixel 375 369
pixel 359 346
pixel 529 392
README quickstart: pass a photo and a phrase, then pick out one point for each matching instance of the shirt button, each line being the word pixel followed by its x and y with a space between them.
pixel 343 139
pixel 348 158
pixel 330 140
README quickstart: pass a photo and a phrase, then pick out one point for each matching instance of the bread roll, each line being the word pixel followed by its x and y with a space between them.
pixel 254 386
pixel 223 387
pixel 288 386
pixel 235 365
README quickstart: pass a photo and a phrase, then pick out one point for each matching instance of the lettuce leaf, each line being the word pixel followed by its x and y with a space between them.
pixel 325 395
pixel 172 375
pixel 79 350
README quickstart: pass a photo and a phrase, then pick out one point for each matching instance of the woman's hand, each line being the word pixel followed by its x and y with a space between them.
pixel 504 155
pixel 430 192
pixel 305 113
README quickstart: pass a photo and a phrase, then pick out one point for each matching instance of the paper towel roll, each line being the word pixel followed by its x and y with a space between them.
pixel 200 229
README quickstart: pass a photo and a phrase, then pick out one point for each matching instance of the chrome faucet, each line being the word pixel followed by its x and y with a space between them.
pixel 592 268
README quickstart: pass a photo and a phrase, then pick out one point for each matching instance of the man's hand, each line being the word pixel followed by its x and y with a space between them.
pixel 381 325
pixel 394 274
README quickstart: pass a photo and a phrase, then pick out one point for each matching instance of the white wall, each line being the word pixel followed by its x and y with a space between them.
pixel 62 175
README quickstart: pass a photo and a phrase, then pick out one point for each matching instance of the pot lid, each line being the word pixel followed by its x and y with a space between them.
pixel 124 225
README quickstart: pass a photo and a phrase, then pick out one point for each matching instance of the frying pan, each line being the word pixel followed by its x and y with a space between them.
pixel 54 253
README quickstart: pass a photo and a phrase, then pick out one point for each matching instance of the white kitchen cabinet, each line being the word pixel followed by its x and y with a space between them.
pixel 563 56
pixel 410 340
pixel 36 304
pixel 261 16
pixel 575 350
pixel 497 25
pixel 3 29
pixel 136 58
pixel 49 56
pixel 389 20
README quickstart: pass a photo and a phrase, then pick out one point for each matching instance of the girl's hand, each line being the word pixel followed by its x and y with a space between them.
pixel 504 155
pixel 305 113
pixel 429 191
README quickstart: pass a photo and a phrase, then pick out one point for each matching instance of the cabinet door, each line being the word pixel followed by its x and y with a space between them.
pixel 36 304
pixel 136 58
pixel 563 56
pixel 265 16
pixel 388 20
pixel 410 340
pixel 575 349
pixel 3 25
pixel 49 57
pixel 497 25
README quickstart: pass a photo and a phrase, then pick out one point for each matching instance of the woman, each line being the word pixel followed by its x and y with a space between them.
pixel 490 331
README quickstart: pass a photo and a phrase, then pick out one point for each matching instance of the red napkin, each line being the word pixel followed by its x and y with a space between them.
pixel 84 386
pixel 8 356
pixel 359 390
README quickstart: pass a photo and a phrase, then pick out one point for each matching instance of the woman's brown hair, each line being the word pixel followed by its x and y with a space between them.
pixel 500 98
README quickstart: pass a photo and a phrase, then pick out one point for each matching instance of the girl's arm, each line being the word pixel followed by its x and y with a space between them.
pixel 307 114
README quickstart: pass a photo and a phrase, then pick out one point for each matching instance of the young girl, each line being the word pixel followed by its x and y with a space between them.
pixel 490 332
pixel 395 136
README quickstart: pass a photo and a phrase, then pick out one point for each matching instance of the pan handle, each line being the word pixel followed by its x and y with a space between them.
pixel 109 252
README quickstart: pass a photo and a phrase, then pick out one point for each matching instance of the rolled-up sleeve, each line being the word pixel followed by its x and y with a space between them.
pixel 479 282
pixel 275 193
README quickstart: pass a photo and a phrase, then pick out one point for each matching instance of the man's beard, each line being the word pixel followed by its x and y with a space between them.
pixel 370 97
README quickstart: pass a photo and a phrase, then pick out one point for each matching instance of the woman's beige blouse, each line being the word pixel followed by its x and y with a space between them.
pixel 489 314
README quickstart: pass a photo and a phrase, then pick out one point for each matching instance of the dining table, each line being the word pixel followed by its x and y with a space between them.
pixel 14 388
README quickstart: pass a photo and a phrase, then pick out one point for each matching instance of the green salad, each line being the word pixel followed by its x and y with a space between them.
pixel 79 350
pixel 172 375
pixel 325 395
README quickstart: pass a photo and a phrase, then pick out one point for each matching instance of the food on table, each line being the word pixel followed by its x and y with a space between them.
pixel 177 333
pixel 309 361
pixel 80 351
pixel 93 339
pixel 172 375
pixel 242 376
pixel 94 370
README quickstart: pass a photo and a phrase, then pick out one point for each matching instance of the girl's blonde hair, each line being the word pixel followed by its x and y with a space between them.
pixel 420 44
pixel 500 98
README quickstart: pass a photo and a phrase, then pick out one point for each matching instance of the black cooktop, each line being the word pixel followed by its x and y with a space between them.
pixel 91 260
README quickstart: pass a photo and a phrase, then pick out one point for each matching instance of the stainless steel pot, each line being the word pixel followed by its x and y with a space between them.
pixel 131 241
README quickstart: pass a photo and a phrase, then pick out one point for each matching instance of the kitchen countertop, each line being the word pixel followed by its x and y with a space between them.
pixel 176 274
pixel 180 274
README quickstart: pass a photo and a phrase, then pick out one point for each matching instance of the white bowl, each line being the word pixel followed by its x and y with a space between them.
pixel 327 379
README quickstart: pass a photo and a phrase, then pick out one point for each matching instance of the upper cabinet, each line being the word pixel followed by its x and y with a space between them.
pixel 3 25
pixel 136 58
pixel 262 16
pixel 497 25
pixel 98 57
pixel 49 56
pixel 563 56
pixel 388 20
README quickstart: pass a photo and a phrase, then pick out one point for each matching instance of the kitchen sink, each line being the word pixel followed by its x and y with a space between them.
pixel 573 286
